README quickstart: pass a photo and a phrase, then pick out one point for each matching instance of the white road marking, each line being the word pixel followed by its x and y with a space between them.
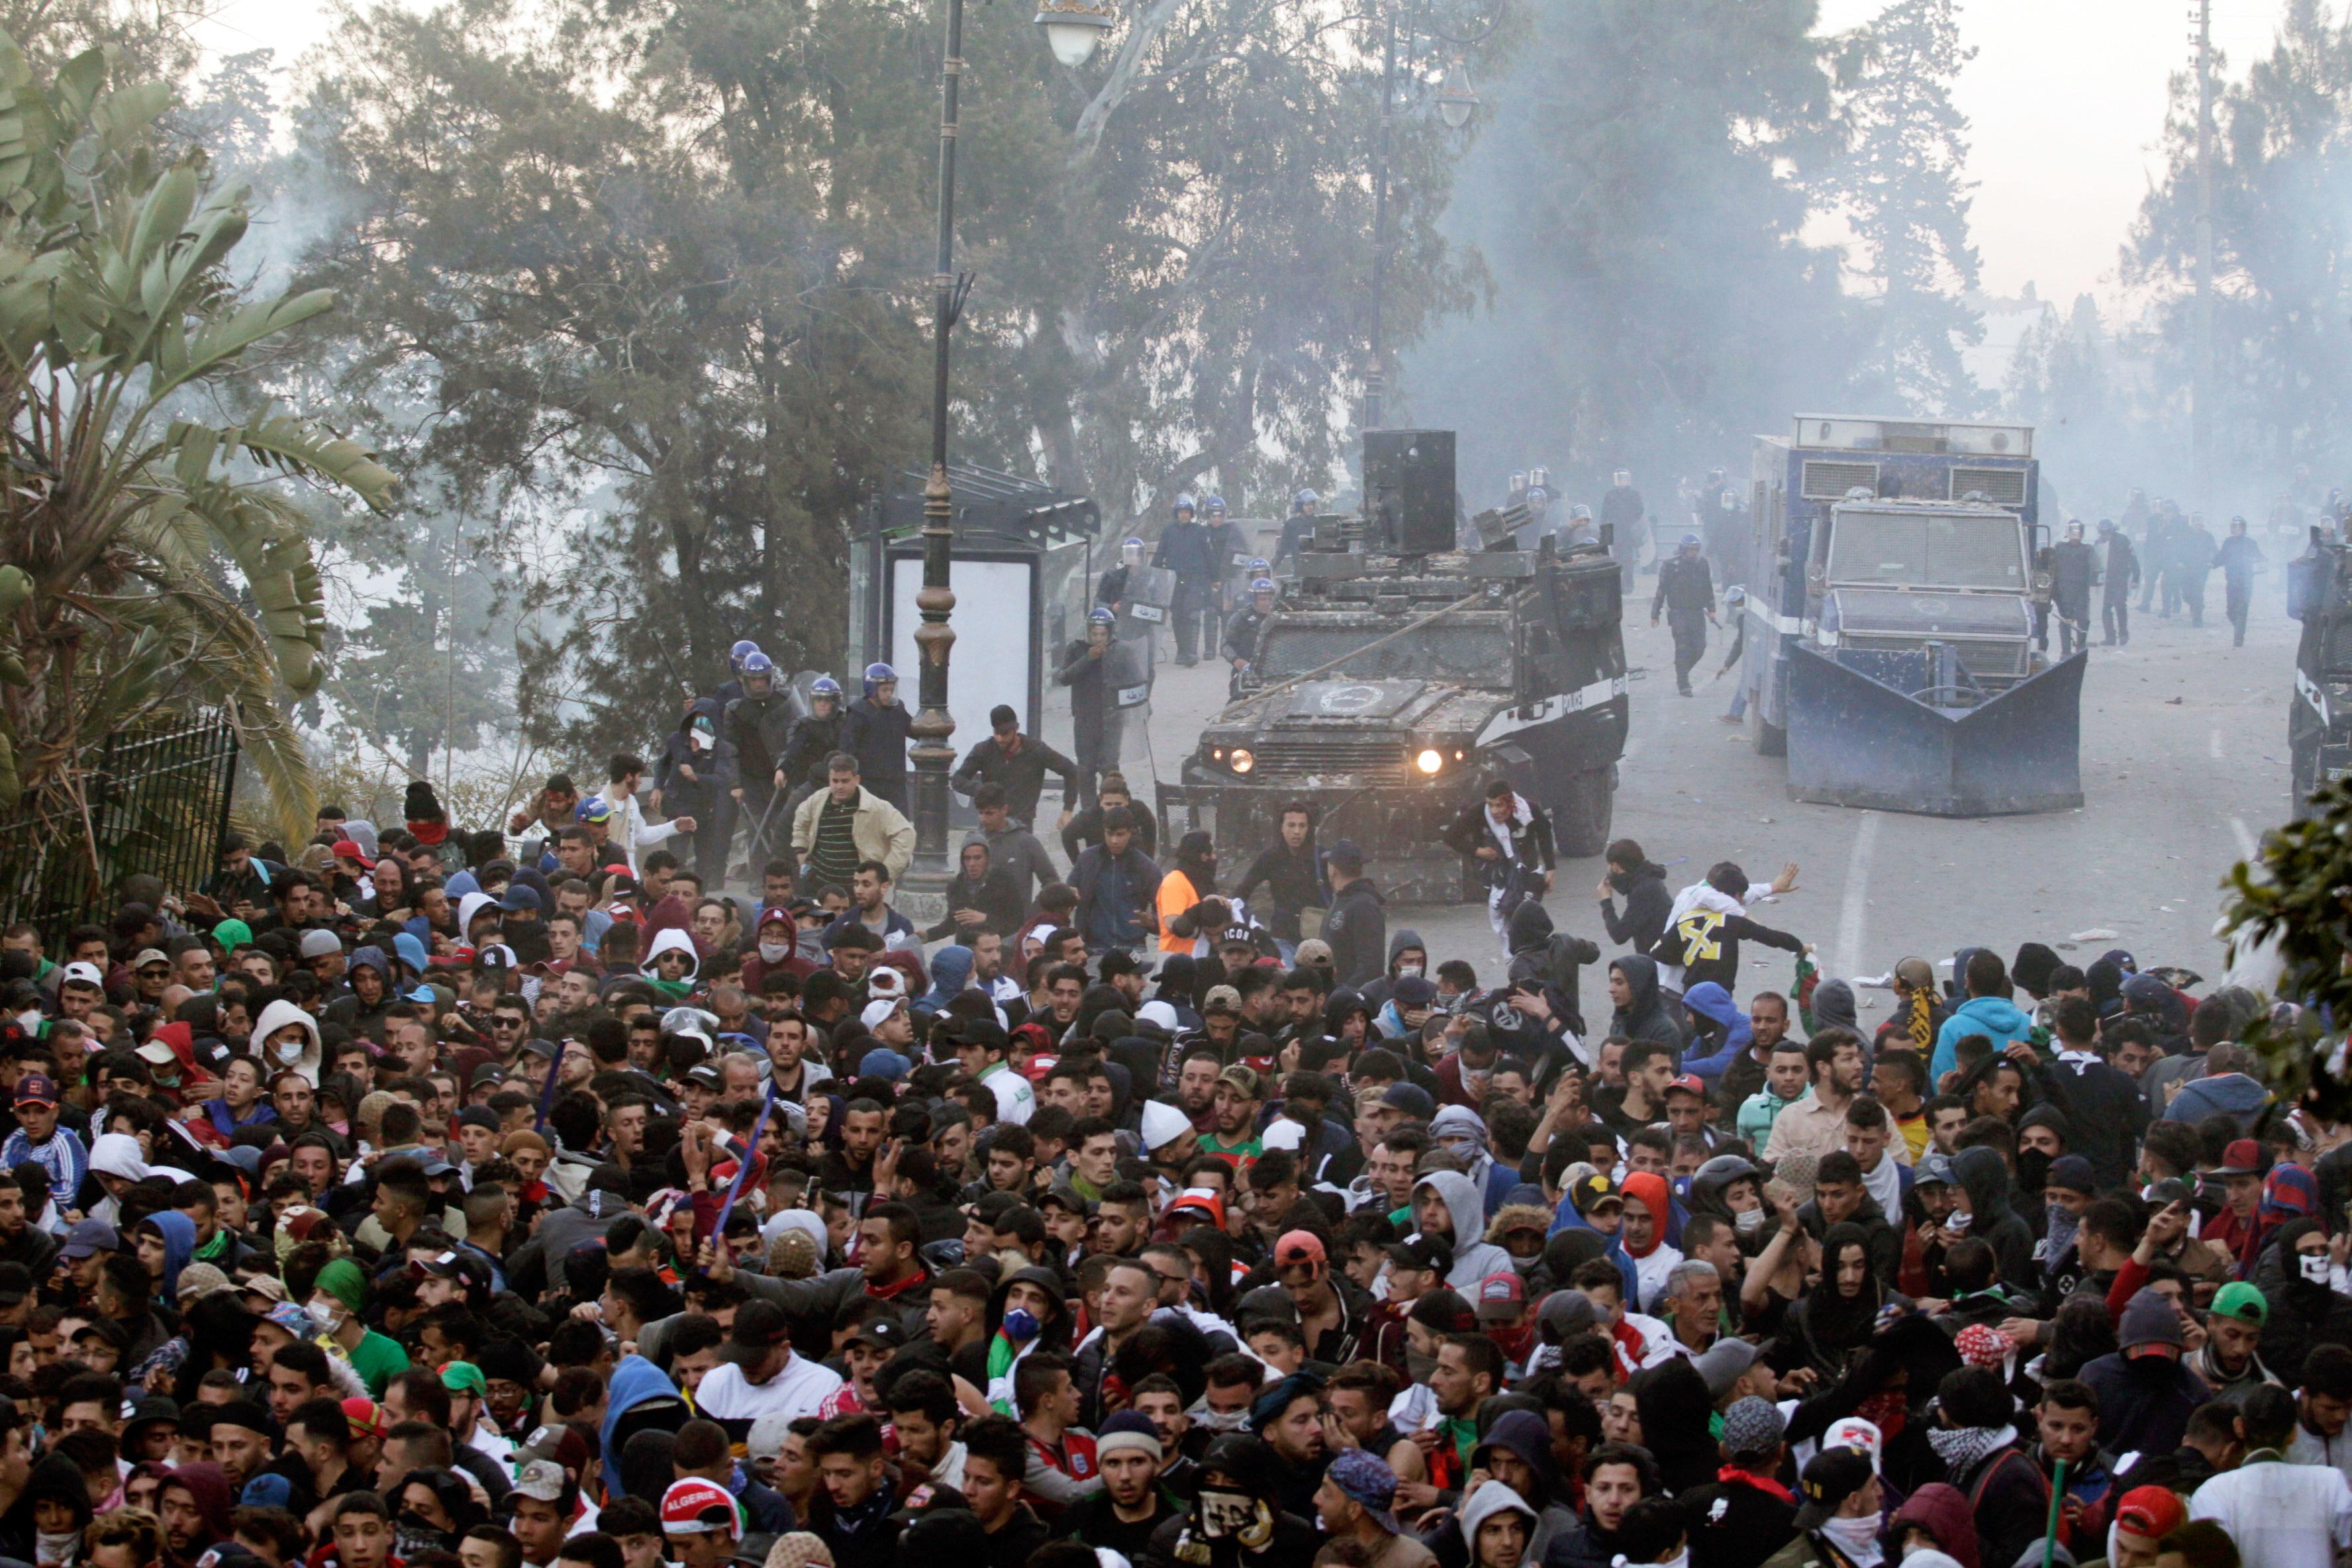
pixel 2246 845
pixel 2213 744
pixel 1852 908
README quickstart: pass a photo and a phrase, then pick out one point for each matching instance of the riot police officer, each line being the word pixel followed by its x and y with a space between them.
pixel 1111 590
pixel 1185 550
pixel 875 731
pixel 2073 568
pixel 1096 719
pixel 813 738
pixel 1529 534
pixel 1230 547
pixel 1242 628
pixel 1687 595
pixel 759 722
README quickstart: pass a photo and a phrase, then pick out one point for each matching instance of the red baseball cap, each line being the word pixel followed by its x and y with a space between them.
pixel 1690 1082
pixel 1298 1246
pixel 2152 1513
pixel 1500 1298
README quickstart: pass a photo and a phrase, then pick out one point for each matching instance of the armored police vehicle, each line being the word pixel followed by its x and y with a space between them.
pixel 1890 651
pixel 1398 672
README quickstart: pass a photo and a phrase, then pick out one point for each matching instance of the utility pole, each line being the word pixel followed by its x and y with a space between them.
pixel 2200 418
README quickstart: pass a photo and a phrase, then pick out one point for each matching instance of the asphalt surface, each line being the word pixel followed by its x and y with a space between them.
pixel 2183 767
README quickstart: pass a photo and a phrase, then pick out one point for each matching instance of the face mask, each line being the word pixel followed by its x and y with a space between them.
pixel 1219 1420
pixel 1750 1222
pixel 288 1051
pixel 329 1312
pixel 1408 971
pixel 775 952
pixel 2033 1169
pixel 1021 1325
pixel 1225 1514
pixel 58 1548
pixel 1419 1367
pixel 2313 1266
pixel 1857 1539
pixel 415 1534
pixel 1957 1220
pixel 29 1020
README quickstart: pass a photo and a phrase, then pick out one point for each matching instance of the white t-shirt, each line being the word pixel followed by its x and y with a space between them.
pixel 2280 1515
pixel 795 1392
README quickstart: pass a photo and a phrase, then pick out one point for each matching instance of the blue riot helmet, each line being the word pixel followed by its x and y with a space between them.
pixel 1537 498
pixel 736 654
pixel 1579 513
pixel 825 688
pixel 1305 501
pixel 1690 541
pixel 1214 506
pixel 1130 551
pixel 875 674
pixel 1258 568
pixel 1183 502
pixel 1261 585
pixel 757 663
pixel 1539 477
pixel 1100 615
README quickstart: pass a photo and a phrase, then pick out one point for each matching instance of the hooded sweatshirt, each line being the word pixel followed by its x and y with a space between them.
pixel 276 1017
pixel 1528 1435
pixel 1984 1176
pixel 1488 1500
pixel 1473 1259
pixel 1712 1002
pixel 636 1381
pixel 1644 1016
pixel 1540 951
pixel 1703 934
pixel 1996 1017
pixel 672 941
pixel 1647 903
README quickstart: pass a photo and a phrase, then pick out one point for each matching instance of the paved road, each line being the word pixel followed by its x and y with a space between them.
pixel 2184 765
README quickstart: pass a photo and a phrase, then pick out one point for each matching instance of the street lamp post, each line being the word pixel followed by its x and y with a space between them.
pixel 1073 28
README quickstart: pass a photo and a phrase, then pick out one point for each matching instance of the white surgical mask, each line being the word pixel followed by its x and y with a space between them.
pixel 1750 1222
pixel 1408 971
pixel 1958 1219
pixel 775 952
pixel 2313 1266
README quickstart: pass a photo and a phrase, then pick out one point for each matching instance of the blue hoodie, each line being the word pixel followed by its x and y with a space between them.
pixel 950 973
pixel 634 1380
pixel 1565 1217
pixel 1996 1016
pixel 179 1245
pixel 1712 1002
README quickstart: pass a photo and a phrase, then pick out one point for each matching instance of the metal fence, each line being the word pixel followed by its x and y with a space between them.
pixel 159 802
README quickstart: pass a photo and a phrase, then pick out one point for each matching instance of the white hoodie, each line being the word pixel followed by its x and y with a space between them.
pixel 630 830
pixel 276 1017
pixel 673 941
pixel 1701 895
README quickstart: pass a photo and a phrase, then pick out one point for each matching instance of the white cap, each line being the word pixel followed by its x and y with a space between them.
pixel 1163 1124
pixel 1853 1432
pixel 1161 1013
pixel 86 974
pixel 885 981
pixel 881 1007
pixel 1283 1134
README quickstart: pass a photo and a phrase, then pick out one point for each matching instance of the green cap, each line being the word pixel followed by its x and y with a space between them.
pixel 341 1279
pixel 2242 1302
pixel 464 1377
pixel 232 934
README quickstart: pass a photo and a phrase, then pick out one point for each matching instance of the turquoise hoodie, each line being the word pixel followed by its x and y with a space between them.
pixel 1994 1015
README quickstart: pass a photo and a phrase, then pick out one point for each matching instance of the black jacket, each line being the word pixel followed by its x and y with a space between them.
pixel 812 739
pixel 1647 905
pixel 1685 583
pixel 876 737
pixel 1188 550
pixel 1540 953
pixel 2105 1115
pixel 2073 567
pixel 1531 842
pixel 2123 569
pixel 1358 930
pixel 994 896
pixel 1293 882
pixel 762 728
pixel 1085 830
pixel 1023 774
pixel 1706 944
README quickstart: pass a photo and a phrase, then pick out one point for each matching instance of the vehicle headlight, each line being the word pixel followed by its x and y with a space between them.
pixel 1242 760
pixel 1429 760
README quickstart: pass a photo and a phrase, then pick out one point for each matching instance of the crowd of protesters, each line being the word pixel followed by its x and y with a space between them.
pixel 424 1198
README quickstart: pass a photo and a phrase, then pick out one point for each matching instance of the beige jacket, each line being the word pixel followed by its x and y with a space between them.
pixel 879 830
